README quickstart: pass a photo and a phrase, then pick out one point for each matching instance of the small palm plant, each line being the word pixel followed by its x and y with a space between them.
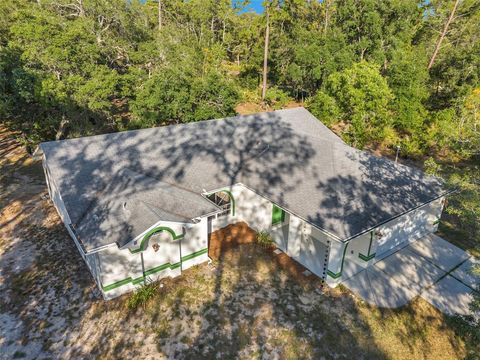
pixel 142 295
pixel 264 239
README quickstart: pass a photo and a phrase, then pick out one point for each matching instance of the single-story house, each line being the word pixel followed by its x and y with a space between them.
pixel 140 204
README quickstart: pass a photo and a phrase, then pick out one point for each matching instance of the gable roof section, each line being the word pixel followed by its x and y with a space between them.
pixel 287 156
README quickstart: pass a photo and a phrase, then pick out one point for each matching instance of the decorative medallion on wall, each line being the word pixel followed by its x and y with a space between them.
pixel 156 247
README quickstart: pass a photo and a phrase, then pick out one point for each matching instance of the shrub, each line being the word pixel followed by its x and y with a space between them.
pixel 324 107
pixel 142 295
pixel 276 98
pixel 264 239
pixel 431 167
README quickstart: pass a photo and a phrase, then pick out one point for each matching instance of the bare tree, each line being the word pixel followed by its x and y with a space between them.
pixel 442 35
pixel 265 55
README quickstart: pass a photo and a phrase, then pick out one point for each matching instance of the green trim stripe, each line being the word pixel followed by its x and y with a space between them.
pixel 366 258
pixel 232 199
pixel 154 270
pixel 117 284
pixel 369 256
pixel 143 244
pixel 195 254
pixel 337 275
pixel 334 275
pixel 176 265
pixel 157 269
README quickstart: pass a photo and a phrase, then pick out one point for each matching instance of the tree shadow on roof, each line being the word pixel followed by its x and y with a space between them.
pixel 371 192
pixel 193 157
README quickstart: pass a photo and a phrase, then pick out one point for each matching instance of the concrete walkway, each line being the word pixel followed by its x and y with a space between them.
pixel 430 267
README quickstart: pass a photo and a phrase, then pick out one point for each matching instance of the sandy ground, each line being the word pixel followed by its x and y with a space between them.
pixel 243 305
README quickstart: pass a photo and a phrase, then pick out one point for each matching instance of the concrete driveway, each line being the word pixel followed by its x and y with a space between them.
pixel 430 267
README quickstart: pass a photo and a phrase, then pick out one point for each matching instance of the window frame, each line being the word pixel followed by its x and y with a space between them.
pixel 278 215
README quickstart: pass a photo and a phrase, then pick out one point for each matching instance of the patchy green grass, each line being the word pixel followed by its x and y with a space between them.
pixel 142 295
pixel 230 311
pixel 452 231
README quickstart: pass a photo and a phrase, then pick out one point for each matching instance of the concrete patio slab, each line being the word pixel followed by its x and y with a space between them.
pixel 439 252
pixel 377 288
pixel 449 296
pixel 465 274
pixel 410 270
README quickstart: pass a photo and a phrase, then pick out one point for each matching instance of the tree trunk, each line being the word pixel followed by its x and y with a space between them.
pixel 442 36
pixel 327 5
pixel 160 14
pixel 265 57
pixel 62 129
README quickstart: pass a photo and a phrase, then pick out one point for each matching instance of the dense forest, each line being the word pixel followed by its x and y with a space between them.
pixel 382 73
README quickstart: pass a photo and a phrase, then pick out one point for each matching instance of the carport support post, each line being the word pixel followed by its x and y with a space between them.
pixel 337 253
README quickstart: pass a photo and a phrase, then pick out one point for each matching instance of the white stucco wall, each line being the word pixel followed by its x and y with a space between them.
pixel 172 256
pixel 294 236
pixel 408 227
pixel 195 244
pixel 308 245
pixel 251 208
pixel 254 209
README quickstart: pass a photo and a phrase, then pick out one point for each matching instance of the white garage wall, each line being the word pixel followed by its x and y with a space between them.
pixel 254 209
pixel 408 228
pixel 368 248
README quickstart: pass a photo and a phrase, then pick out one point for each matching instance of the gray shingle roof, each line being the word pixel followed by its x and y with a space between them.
pixel 116 185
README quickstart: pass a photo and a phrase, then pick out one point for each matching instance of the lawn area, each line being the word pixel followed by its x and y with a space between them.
pixel 243 305
pixel 247 306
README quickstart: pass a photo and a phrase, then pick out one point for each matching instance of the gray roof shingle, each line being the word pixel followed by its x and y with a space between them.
pixel 287 156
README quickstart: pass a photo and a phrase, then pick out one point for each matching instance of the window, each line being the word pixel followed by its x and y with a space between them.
pixel 221 199
pixel 278 215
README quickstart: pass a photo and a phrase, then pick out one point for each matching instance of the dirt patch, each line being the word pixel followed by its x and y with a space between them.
pixel 240 233
pixel 228 237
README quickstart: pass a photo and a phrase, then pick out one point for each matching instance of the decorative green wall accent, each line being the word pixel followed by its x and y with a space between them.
pixel 147 236
pixel 154 270
pixel 230 195
pixel 337 275
pixel 232 199
pixel 369 256
pixel 117 284
pixel 195 254
pixel 278 215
